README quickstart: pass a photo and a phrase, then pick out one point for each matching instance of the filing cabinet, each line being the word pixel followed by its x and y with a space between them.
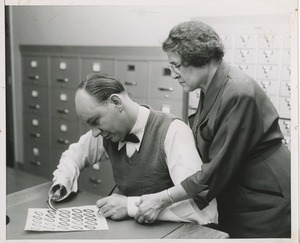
pixel 51 75
pixel 35 114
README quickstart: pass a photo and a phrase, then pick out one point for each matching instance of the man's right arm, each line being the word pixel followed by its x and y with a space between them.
pixel 87 151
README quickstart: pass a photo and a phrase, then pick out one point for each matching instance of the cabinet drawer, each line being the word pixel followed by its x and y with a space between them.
pixel 35 100
pixel 162 85
pixel 65 72
pixel 36 129
pixel 168 106
pixel 267 72
pixel 97 179
pixel 134 76
pixel 245 40
pixel 63 103
pixel 64 133
pixel 36 159
pixel 35 70
pixel 245 56
pixel 89 66
pixel 268 56
pixel 269 40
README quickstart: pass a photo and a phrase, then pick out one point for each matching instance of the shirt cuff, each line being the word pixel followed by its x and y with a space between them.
pixel 131 207
pixel 66 183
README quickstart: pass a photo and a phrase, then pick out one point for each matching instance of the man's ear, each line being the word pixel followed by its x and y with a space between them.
pixel 117 101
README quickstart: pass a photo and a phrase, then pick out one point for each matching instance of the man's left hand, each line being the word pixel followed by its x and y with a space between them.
pixel 114 207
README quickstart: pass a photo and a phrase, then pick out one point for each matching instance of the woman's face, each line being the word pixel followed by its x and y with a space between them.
pixel 189 77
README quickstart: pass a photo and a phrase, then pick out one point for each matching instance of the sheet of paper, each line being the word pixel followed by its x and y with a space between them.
pixel 65 219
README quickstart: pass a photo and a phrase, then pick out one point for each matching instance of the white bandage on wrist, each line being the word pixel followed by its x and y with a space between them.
pixel 169 196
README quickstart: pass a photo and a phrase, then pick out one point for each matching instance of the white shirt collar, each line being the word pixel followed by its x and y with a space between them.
pixel 138 128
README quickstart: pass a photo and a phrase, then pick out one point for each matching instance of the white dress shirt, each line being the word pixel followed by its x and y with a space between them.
pixel 182 159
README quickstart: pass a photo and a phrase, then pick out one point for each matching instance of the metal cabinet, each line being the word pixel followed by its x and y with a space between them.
pixel 50 79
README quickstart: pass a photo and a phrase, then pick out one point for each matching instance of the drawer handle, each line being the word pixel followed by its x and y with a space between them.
pixel 35 77
pixel 244 53
pixel 94 180
pixel 266 69
pixel 131 83
pixel 63 111
pixel 36 135
pixel 36 163
pixel 243 67
pixel 62 80
pixel 170 89
pixel 63 141
pixel 35 106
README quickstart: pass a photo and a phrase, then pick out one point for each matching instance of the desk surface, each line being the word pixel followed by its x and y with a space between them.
pixel 35 197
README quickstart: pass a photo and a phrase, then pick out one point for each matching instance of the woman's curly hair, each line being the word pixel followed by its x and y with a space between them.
pixel 195 42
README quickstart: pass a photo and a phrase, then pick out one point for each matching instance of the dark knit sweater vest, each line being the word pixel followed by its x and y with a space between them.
pixel 146 171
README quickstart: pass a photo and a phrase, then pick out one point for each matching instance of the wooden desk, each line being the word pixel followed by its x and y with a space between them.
pixel 35 197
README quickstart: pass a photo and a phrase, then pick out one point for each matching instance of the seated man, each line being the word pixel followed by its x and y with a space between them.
pixel 161 153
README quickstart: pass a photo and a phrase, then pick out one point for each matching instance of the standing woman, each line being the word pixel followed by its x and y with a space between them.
pixel 246 165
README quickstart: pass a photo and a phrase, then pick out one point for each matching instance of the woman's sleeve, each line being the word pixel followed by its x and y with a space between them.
pixel 237 130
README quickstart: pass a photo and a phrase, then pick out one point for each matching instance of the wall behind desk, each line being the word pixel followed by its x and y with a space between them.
pixel 110 26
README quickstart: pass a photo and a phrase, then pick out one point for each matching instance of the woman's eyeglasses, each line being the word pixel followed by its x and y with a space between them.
pixel 175 68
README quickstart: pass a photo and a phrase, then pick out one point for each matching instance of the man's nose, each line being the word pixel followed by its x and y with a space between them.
pixel 96 132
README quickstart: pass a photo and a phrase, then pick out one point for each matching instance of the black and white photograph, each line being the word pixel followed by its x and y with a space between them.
pixel 150 121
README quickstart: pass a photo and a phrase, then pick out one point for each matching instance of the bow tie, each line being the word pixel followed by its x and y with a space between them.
pixel 131 138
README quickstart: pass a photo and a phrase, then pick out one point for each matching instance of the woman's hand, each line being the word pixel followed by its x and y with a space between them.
pixel 150 206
